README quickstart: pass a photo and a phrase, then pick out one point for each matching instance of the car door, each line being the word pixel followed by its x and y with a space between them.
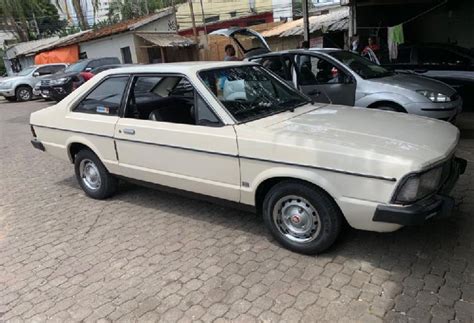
pixel 94 117
pixel 324 80
pixel 170 135
pixel 281 65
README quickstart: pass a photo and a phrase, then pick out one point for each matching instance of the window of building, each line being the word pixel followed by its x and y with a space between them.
pixel 106 98
pixel 168 99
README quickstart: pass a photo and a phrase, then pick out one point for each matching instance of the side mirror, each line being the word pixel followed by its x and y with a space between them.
pixel 36 74
pixel 348 79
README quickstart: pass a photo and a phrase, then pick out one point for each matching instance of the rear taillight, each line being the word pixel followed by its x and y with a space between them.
pixel 33 131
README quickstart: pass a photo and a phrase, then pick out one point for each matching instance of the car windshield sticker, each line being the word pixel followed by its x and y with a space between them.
pixel 102 109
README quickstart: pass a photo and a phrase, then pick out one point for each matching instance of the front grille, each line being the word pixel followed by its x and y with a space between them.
pixel 45 82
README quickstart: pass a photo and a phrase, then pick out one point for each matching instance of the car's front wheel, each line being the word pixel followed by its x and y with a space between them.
pixel 23 93
pixel 92 175
pixel 303 218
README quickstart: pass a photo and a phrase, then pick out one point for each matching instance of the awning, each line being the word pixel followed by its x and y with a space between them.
pixel 335 20
pixel 166 39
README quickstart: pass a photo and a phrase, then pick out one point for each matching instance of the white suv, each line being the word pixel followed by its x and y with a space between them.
pixel 20 87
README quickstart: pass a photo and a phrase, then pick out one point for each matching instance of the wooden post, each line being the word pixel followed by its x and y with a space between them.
pixel 305 20
pixel 163 59
pixel 193 20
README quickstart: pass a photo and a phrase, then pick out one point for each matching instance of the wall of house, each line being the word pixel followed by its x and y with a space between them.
pixel 110 46
pixel 219 10
pixel 165 24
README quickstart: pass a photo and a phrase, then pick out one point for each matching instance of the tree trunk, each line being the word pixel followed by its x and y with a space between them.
pixel 80 15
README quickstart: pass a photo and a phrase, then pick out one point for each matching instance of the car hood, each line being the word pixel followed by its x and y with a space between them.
pixel 415 82
pixel 61 75
pixel 361 140
pixel 11 78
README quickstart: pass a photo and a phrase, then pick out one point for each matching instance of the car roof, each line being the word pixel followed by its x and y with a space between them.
pixel 299 51
pixel 180 68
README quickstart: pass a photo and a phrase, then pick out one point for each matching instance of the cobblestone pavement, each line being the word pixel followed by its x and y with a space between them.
pixel 146 255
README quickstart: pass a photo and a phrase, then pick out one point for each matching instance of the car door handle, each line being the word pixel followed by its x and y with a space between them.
pixel 129 131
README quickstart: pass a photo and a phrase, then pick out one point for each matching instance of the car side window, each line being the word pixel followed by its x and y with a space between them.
pixel 104 99
pixel 278 66
pixel 170 99
pixel 313 70
pixel 45 70
pixel 57 68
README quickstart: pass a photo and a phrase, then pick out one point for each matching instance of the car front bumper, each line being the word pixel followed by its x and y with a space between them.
pixel 437 206
pixel 444 111
pixel 7 92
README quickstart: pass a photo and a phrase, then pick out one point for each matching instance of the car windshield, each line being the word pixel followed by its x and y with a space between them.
pixel 77 67
pixel 26 71
pixel 250 92
pixel 365 68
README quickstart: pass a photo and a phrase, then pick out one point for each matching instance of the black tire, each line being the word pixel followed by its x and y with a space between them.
pixel 325 220
pixel 10 98
pixel 23 93
pixel 106 185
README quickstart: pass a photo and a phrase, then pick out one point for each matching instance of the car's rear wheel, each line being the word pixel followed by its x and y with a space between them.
pixel 23 93
pixel 302 217
pixel 92 175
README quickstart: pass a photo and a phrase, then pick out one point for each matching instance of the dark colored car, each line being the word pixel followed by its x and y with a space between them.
pixel 450 64
pixel 62 84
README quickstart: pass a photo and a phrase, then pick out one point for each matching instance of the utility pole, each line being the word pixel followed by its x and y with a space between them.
pixel 193 20
pixel 305 20
pixel 204 24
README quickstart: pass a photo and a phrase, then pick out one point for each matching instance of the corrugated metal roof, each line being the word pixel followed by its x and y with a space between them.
pixel 336 19
pixel 120 27
pixel 166 39
pixel 57 43
pixel 22 48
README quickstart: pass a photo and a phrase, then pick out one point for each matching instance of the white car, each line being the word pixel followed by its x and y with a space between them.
pixel 235 132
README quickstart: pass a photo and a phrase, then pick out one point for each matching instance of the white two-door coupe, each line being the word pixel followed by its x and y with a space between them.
pixel 235 132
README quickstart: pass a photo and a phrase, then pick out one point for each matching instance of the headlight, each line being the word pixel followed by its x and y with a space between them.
pixel 434 96
pixel 60 81
pixel 418 186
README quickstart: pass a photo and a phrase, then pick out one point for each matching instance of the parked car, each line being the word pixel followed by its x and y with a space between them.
pixel 342 77
pixel 450 64
pixel 59 86
pixel 20 87
pixel 235 132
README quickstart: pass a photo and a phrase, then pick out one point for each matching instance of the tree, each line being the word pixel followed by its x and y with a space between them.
pixel 30 19
pixel 128 9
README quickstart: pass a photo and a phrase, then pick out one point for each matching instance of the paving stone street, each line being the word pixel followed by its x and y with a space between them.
pixel 145 255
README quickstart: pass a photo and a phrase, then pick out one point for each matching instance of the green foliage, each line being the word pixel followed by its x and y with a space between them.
pixel 30 19
pixel 129 9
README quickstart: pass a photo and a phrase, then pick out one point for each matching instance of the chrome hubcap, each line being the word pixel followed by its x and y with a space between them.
pixel 24 94
pixel 296 219
pixel 89 174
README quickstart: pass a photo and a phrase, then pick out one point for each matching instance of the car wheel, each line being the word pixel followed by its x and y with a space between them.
pixel 92 175
pixel 23 93
pixel 389 107
pixel 10 98
pixel 301 217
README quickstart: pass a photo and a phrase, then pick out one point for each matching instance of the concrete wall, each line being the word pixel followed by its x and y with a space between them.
pixel 110 46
